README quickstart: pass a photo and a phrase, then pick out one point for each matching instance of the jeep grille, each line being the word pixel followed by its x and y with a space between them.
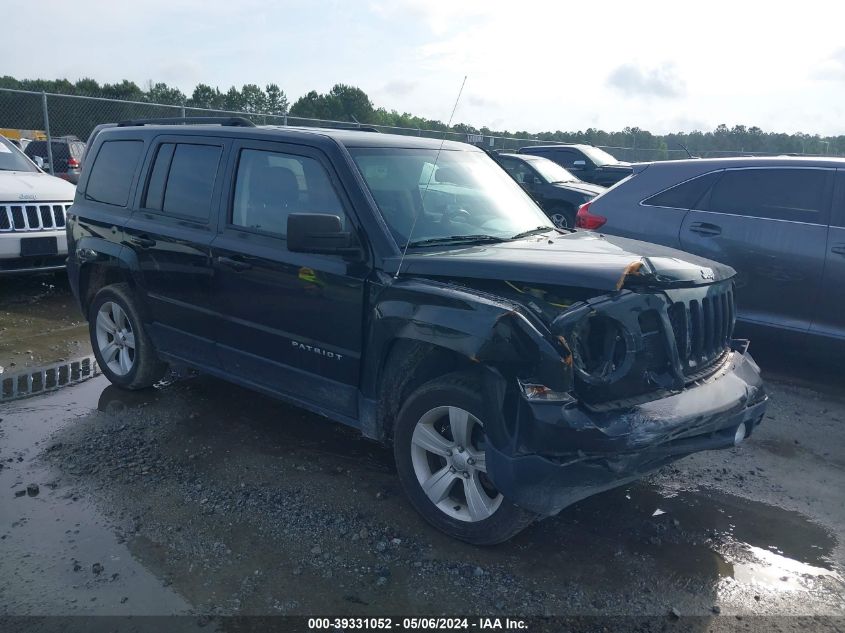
pixel 703 327
pixel 33 217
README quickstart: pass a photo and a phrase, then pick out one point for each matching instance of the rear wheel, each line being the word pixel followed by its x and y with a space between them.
pixel 439 446
pixel 123 350
pixel 563 217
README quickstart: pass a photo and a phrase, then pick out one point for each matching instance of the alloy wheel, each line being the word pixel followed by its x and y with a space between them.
pixel 115 338
pixel 447 452
pixel 559 220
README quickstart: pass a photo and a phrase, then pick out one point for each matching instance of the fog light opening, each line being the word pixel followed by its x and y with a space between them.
pixel 740 434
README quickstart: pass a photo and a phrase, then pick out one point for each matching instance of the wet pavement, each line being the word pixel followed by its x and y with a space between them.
pixel 200 497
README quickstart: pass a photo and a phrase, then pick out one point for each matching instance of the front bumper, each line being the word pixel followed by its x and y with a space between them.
pixel 562 454
pixel 12 263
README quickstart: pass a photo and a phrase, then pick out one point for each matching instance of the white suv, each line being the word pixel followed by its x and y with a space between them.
pixel 33 207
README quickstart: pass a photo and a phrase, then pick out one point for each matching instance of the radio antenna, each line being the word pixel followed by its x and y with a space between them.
pixel 430 176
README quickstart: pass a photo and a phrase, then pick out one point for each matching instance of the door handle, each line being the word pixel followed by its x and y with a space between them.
pixel 704 228
pixel 235 264
pixel 142 242
pixel 839 249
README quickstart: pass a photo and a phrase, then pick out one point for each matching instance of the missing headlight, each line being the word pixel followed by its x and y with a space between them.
pixel 602 349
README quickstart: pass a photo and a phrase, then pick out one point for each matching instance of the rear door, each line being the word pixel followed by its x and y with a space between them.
pixel 770 224
pixel 171 233
pixel 830 308
pixel 658 218
pixel 293 320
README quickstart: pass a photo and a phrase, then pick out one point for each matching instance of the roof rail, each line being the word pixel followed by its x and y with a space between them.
pixel 233 121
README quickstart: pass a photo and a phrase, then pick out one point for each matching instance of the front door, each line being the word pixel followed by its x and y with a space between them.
pixel 830 308
pixel 171 234
pixel 770 224
pixel 294 320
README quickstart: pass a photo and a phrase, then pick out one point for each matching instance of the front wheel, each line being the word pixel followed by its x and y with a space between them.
pixel 439 446
pixel 121 346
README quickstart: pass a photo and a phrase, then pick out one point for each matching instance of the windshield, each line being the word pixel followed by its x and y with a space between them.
pixel 465 194
pixel 599 156
pixel 11 158
pixel 551 171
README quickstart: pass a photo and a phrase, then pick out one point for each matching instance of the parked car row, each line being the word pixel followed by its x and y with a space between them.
pixel 411 289
pixel 67 156
pixel 555 189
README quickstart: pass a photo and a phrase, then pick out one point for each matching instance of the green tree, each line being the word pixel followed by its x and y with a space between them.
pixel 253 99
pixel 348 103
pixel 232 100
pixel 277 100
pixel 204 96
pixel 162 93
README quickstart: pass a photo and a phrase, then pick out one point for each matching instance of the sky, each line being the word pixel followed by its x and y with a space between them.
pixel 530 65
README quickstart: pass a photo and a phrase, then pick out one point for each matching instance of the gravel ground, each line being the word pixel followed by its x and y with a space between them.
pixel 202 498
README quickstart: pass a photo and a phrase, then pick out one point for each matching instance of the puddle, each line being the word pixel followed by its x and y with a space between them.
pixel 777 571
pixel 696 540
pixel 59 554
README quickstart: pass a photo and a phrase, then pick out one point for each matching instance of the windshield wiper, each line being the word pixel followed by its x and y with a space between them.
pixel 539 229
pixel 455 239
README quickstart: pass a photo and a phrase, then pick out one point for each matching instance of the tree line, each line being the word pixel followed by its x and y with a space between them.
pixel 350 104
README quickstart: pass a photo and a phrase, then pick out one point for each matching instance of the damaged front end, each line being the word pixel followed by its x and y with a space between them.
pixel 653 373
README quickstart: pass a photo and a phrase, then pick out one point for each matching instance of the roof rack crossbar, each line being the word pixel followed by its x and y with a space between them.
pixel 233 121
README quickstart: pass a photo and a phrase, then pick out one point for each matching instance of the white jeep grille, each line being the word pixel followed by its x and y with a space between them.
pixel 44 216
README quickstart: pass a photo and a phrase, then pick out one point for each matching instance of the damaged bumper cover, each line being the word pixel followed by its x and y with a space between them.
pixel 562 453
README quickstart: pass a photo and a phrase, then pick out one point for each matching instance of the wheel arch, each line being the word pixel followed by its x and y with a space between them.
pixel 424 329
pixel 112 264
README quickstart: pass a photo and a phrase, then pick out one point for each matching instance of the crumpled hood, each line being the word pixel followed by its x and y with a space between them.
pixel 23 187
pixel 580 259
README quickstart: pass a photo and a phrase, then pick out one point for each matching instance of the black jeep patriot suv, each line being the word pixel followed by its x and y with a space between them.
pixel 515 367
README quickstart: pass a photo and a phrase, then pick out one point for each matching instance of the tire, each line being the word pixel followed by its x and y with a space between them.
pixel 429 418
pixel 563 217
pixel 121 346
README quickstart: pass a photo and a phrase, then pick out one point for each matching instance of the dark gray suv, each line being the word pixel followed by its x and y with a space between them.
pixel 780 222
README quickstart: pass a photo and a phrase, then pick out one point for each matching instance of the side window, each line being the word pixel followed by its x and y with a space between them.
pixel 158 177
pixel 566 158
pixel 685 195
pixel 182 180
pixel 780 194
pixel 521 172
pixel 113 171
pixel 269 186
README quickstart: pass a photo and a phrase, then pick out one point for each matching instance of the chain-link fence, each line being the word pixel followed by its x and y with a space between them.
pixel 26 116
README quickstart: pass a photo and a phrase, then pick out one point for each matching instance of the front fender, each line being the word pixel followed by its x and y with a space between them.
pixel 496 334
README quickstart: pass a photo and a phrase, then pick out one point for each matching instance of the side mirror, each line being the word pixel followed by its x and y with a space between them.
pixel 39 162
pixel 320 233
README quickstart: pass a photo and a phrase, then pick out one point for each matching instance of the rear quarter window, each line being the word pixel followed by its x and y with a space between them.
pixel 113 171
pixel 182 180
pixel 685 195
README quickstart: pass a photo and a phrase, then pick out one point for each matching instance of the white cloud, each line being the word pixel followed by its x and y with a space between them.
pixel 833 67
pixel 661 81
